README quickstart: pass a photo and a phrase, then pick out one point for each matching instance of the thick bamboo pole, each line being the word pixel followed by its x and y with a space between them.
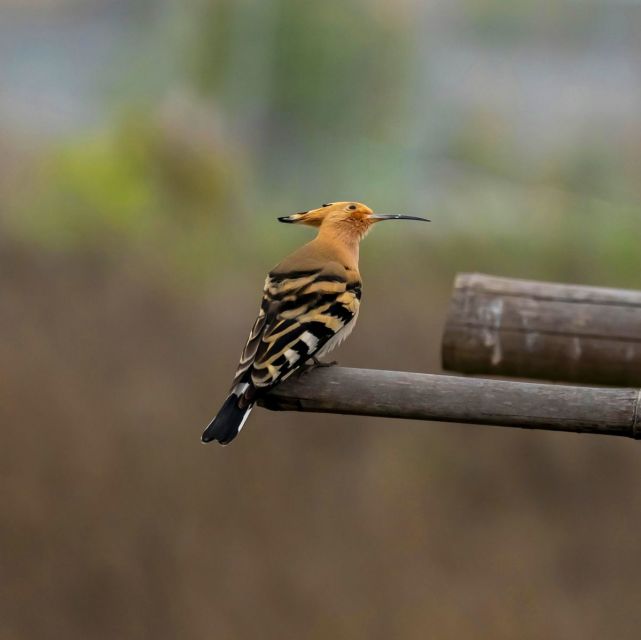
pixel 525 329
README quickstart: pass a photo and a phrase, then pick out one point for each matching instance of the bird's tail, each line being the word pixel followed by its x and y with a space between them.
pixel 228 423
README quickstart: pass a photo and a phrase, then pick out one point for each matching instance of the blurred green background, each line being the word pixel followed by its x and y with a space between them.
pixel 146 148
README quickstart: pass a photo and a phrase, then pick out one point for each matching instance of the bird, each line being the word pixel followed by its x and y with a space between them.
pixel 309 306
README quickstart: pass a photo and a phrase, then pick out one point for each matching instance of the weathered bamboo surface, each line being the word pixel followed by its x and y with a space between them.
pixel 503 326
pixel 420 396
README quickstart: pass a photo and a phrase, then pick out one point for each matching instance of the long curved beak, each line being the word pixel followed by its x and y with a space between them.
pixel 395 216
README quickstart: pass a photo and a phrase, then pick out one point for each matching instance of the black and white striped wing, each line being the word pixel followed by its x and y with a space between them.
pixel 301 315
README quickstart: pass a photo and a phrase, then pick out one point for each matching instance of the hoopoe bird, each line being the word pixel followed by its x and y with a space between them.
pixel 310 305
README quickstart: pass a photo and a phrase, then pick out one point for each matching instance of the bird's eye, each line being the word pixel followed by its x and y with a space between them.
pixel 352 207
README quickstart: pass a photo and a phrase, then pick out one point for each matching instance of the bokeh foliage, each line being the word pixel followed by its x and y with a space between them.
pixel 283 104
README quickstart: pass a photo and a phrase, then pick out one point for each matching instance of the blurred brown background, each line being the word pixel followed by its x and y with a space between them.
pixel 146 148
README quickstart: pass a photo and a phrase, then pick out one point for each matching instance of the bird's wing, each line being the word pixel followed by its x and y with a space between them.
pixel 299 313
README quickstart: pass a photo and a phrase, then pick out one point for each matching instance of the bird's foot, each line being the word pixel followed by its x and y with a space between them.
pixel 320 363
pixel 315 364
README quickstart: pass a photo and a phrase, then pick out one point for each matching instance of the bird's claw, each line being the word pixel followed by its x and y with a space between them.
pixel 315 364
pixel 319 363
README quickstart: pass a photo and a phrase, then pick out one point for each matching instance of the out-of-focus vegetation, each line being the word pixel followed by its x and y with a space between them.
pixel 146 149
pixel 230 113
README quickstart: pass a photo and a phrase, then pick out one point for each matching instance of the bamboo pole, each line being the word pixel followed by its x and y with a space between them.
pixel 420 396
pixel 525 329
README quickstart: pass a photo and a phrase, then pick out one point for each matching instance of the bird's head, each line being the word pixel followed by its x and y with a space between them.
pixel 354 216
